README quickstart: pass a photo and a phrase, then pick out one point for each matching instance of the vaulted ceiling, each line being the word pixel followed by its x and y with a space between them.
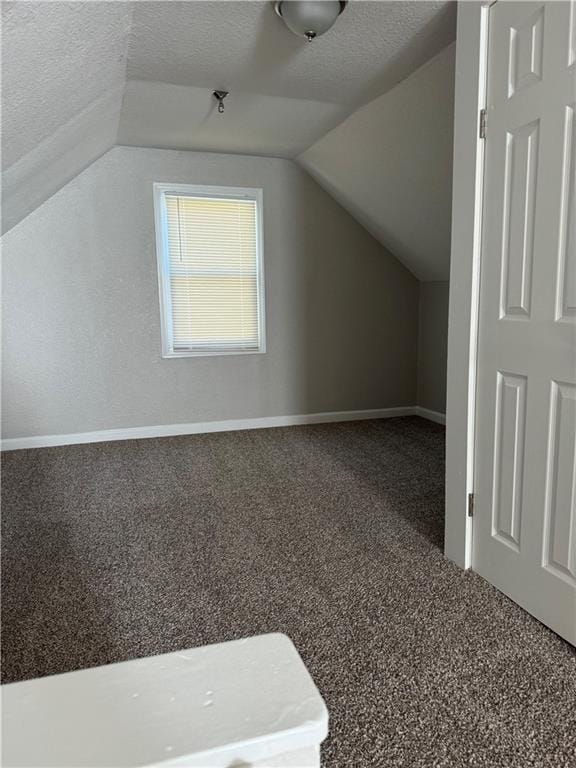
pixel 390 165
pixel 79 77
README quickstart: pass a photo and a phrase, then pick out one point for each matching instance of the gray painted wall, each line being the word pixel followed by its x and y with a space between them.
pixel 81 330
pixel 433 345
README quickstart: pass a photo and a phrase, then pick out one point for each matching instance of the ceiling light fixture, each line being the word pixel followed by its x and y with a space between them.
pixel 309 18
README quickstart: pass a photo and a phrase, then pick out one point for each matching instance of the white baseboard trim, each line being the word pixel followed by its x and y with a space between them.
pixel 196 428
pixel 426 413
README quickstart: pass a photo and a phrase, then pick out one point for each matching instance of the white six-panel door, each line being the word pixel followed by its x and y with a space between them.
pixel 525 477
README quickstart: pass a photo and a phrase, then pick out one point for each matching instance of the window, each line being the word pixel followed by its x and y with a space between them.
pixel 209 247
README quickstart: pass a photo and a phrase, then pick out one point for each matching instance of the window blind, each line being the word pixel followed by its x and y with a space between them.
pixel 212 265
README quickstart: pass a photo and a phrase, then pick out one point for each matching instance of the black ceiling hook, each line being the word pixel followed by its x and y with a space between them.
pixel 220 96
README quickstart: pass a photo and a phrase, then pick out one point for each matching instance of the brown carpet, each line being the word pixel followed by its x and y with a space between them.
pixel 329 533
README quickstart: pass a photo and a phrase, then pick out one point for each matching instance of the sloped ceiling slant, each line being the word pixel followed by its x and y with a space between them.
pixel 66 98
pixel 390 165
pixel 64 69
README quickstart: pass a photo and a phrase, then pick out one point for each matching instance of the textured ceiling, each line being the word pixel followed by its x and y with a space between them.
pixel 60 57
pixel 180 117
pixel 245 46
pixel 31 180
pixel 390 165
pixel 79 77
pixel 285 93
pixel 57 58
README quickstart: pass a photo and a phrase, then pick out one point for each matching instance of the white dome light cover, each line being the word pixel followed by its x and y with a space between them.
pixel 309 18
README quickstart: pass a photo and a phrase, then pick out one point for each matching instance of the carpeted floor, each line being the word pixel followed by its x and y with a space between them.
pixel 332 534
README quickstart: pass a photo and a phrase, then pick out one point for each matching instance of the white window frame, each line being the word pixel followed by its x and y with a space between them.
pixel 161 189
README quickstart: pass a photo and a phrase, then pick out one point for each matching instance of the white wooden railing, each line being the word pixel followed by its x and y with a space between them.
pixel 240 704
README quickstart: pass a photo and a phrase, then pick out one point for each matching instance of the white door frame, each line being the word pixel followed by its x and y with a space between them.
pixel 469 99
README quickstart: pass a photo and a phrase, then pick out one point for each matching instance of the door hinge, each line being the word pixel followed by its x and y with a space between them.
pixel 482 130
pixel 470 505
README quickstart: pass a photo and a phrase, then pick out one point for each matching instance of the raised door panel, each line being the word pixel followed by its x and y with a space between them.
pixel 559 550
pixel 572 35
pixel 566 288
pixel 526 52
pixel 508 458
pixel 520 182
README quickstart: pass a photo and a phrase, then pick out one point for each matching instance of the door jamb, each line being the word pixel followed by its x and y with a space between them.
pixel 468 169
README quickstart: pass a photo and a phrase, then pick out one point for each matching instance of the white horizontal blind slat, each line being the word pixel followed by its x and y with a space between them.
pixel 212 260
